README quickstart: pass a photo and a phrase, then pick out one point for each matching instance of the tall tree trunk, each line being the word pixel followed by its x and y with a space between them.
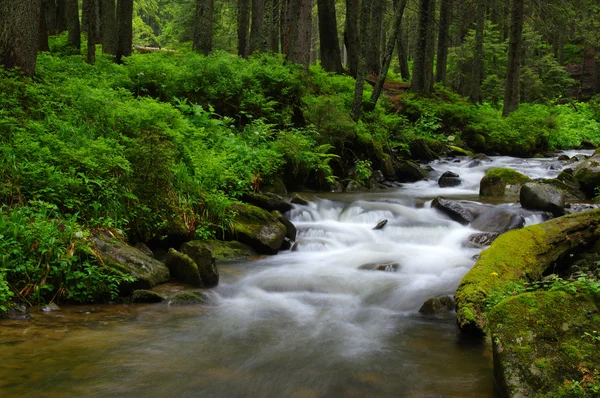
pixel 420 82
pixel 478 55
pixel 365 16
pixel 203 26
pixel 596 85
pixel 374 57
pixel 61 16
pixel 351 40
pixel 443 40
pixel 50 11
pixel 267 35
pixel 92 18
pixel 73 24
pixel 19 34
pixel 256 30
pixel 403 57
pixel 43 29
pixel 300 15
pixel 389 52
pixel 276 26
pixel 511 91
pixel 243 28
pixel 560 47
pixel 285 26
pixel 428 78
pixel 125 28
pixel 110 30
pixel 330 46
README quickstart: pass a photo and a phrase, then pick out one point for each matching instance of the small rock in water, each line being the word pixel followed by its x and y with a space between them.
pixel 187 298
pixel 50 307
pixel 482 239
pixel 385 267
pixel 380 224
pixel 562 158
pixel 437 305
pixel 449 179
pixel 298 199
pixel 146 296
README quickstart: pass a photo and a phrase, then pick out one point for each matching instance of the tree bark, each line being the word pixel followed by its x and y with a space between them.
pixel 300 14
pixel 275 36
pixel 389 51
pixel 511 91
pixel 443 41
pixel 61 16
pixel 596 85
pixel 43 35
pixel 50 11
pixel 256 30
pixel 365 16
pixel 203 26
pixel 92 10
pixel 403 57
pixel 73 25
pixel 331 59
pixel 243 28
pixel 421 80
pixel 109 27
pixel 125 29
pixel 477 66
pixel 351 40
pixel 374 55
pixel 19 34
pixel 285 26
pixel 266 43
pixel 428 78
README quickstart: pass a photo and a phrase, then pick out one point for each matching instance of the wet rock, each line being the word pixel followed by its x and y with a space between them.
pixel 481 157
pixel 449 179
pixel 268 201
pixel 482 239
pixel 183 268
pixel 391 184
pixel 544 197
pixel 502 182
pixel 567 184
pixel 563 158
pixel 587 174
pixel 294 247
pixel 335 187
pixel 144 249
pixel 410 172
pixel 287 244
pixel 50 307
pixel 354 186
pixel 380 224
pixel 453 210
pixel 146 296
pixel 498 219
pixel 222 250
pixel 258 229
pixel 290 227
pixel 187 298
pixel 420 150
pixel 457 151
pixel 437 305
pixel 377 176
pixel 385 267
pixel 204 260
pixel 276 186
pixel 573 208
pixel 298 199
pixel 146 270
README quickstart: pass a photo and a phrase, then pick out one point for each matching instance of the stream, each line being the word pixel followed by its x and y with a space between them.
pixel 316 322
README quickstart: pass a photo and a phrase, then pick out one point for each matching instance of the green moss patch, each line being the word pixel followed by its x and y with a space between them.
pixel 501 181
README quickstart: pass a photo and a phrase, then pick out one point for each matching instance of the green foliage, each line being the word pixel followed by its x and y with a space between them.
pixel 362 171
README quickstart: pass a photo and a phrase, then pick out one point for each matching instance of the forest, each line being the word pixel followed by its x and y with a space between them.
pixel 154 121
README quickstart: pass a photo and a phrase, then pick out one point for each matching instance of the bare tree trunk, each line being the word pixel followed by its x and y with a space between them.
pixel 285 26
pixel 203 26
pixel 428 79
pixel 276 26
pixel 443 41
pixel 365 16
pixel 351 40
pixel 403 57
pixel 92 10
pixel 267 35
pixel 477 66
pixel 61 16
pixel 50 11
pixel 374 57
pixel 43 35
pixel 421 80
pixel 73 24
pixel 109 27
pixel 560 47
pixel 389 52
pixel 300 14
pixel 596 86
pixel 511 91
pixel 256 30
pixel 19 34
pixel 125 28
pixel 243 28
pixel 330 46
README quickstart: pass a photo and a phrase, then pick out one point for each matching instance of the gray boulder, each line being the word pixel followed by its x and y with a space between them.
pixel 544 197
pixel 449 179
pixel 410 172
pixel 498 219
pixel 587 174
pixel 437 305
pixel 453 209
pixel 354 186
pixel 205 262
pixel 290 227
pixel 482 239
pixel 268 201
pixel 298 199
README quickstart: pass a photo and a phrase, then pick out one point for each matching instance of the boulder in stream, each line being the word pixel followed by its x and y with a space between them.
pixel 380 225
pixel 187 298
pixel 544 197
pixel 298 199
pixel 482 239
pixel 502 182
pixel 449 179
pixel 354 186
pixel 183 268
pixel 268 201
pixel 290 227
pixel 408 171
pixel 146 297
pixel 437 305
pixel 588 174
pixel 204 260
pixel 453 209
pixel 498 219
pixel 258 229
pixel 225 250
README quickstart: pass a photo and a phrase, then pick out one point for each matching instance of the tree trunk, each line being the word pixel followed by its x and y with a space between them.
pixel 125 28
pixel 276 26
pixel 300 15
pixel 374 56
pixel 92 10
pixel 203 26
pixel 443 41
pixel 560 47
pixel 256 31
pixel 61 16
pixel 403 57
pixel 428 79
pixel 19 34
pixel 285 26
pixel 267 35
pixel 389 52
pixel 351 40
pixel 73 24
pixel 109 27
pixel 596 85
pixel 243 28
pixel 50 11
pixel 477 66
pixel 421 81
pixel 365 16
pixel 330 46
pixel 43 35
pixel 511 91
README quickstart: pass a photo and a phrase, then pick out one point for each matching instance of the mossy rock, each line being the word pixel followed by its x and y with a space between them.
pixel 523 254
pixel 588 175
pixel 187 298
pixel 258 228
pixel 298 199
pixel 222 250
pixel 567 184
pixel 458 151
pixel 146 296
pixel 291 230
pixel 410 172
pixel 502 182
pixel 540 343
pixel 205 262
pixel 437 305
pixel 269 201
pixel 183 268
pixel 276 186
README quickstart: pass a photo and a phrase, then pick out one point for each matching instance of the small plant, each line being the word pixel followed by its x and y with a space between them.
pixel 362 171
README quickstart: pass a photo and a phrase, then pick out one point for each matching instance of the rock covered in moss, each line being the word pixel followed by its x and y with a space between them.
pixel 517 255
pixel 543 341
pixel 458 151
pixel 225 250
pixel 144 249
pixel 420 150
pixel 291 231
pixel 187 298
pixel 354 186
pixel 147 271
pixel 544 197
pixel 268 201
pixel 567 183
pixel 410 172
pixel 146 296
pixel 258 229
pixel 588 174
pixel 183 268
pixel 502 182
pixel 437 305
pixel 298 199
pixel 205 262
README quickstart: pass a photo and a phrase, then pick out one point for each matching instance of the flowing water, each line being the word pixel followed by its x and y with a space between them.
pixel 316 322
